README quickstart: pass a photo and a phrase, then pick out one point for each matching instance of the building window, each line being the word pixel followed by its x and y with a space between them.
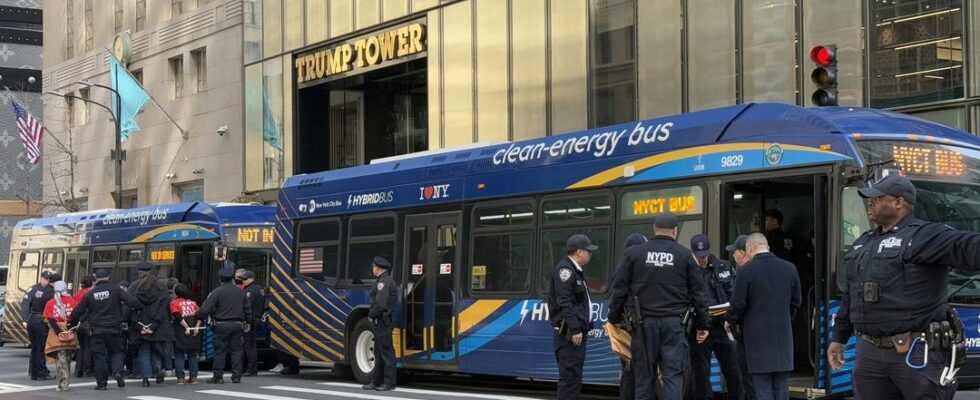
pixel 613 63
pixel 140 15
pixel 200 59
pixel 119 15
pixel 176 7
pixel 89 40
pixel 253 30
pixel 130 199
pixel 192 193
pixel 138 75
pixel 916 52
pixel 69 29
pixel 84 93
pixel 176 77
pixel 70 111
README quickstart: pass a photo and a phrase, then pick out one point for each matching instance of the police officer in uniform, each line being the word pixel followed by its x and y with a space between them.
pixel 627 383
pixel 31 310
pixel 895 298
pixel 383 298
pixel 229 312
pixel 667 281
pixel 570 314
pixel 253 293
pixel 105 307
pixel 719 277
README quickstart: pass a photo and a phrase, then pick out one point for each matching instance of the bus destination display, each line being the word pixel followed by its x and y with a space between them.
pixel 916 160
pixel 251 236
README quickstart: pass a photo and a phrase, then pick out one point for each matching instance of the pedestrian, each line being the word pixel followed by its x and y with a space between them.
pixel 781 244
pixel 83 358
pixel 663 278
pixel 764 299
pixel 627 381
pixel 718 276
pixel 740 257
pixel 103 307
pixel 131 349
pixel 253 293
pixel 571 313
pixel 153 329
pixel 61 341
pixel 228 309
pixel 31 311
pixel 168 346
pixel 382 301
pixel 895 298
pixel 187 328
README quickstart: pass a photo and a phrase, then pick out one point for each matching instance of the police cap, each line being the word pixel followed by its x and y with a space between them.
pixel 700 245
pixel 144 266
pixel 101 273
pixel 738 245
pixel 666 221
pixel 47 275
pixel 55 277
pixel 246 274
pixel 892 185
pixel 381 262
pixel 124 284
pixel 579 242
pixel 226 273
pixel 635 239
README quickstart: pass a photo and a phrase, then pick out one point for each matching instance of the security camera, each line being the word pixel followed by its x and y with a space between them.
pixel 222 130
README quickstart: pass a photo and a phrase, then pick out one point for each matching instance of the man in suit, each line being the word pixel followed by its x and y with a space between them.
pixel 765 296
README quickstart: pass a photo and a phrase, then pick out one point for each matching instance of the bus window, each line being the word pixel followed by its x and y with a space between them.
pixel 162 256
pixel 369 237
pixel 854 222
pixel 54 261
pixel 596 271
pixel 254 260
pixel 502 251
pixel 131 255
pixel 319 250
pixel 576 209
pixel 27 270
pixel 687 230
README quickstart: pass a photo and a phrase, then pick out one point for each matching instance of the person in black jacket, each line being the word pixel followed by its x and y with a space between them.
pixel 253 293
pixel 718 277
pixel 229 311
pixel 665 277
pixel 104 308
pixel 896 289
pixel 152 329
pixel 627 381
pixel 764 299
pixel 30 311
pixel 570 312
pixel 382 311
pixel 187 332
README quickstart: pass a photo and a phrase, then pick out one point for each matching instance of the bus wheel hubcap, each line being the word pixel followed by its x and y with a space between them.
pixel 365 351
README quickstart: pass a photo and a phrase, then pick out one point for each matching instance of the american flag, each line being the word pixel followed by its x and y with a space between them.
pixel 31 132
pixel 311 261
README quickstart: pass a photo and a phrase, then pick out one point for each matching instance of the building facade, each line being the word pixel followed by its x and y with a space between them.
pixel 188 55
pixel 329 84
pixel 20 81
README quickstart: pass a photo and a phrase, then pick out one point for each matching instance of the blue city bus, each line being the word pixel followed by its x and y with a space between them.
pixel 187 241
pixel 474 233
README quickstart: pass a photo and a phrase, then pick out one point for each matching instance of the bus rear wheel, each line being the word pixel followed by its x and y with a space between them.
pixel 362 351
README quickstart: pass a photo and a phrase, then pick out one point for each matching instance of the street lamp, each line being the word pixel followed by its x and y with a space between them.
pixel 117 155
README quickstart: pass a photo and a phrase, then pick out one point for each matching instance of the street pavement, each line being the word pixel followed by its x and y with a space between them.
pixel 310 384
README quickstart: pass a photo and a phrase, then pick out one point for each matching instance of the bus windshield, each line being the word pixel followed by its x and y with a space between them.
pixel 944 177
pixel 255 260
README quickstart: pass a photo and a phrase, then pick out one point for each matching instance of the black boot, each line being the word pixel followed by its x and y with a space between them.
pixel 146 382
pixel 216 380
pixel 120 381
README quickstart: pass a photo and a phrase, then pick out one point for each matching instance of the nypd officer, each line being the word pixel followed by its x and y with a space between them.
pixel 229 312
pixel 31 310
pixel 253 293
pixel 570 314
pixel 665 278
pixel 627 383
pixel 383 298
pixel 718 276
pixel 105 307
pixel 895 298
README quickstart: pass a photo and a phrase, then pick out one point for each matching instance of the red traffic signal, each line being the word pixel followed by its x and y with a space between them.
pixel 824 75
pixel 824 55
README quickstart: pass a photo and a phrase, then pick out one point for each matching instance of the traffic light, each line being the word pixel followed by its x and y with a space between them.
pixel 824 75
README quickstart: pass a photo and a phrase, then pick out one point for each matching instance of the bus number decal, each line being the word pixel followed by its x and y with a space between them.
pixel 735 160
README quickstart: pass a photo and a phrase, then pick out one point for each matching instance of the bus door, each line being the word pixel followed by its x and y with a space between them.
pixel 194 269
pixel 76 266
pixel 792 209
pixel 430 288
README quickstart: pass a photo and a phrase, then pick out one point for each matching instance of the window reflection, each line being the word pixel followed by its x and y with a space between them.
pixel 613 61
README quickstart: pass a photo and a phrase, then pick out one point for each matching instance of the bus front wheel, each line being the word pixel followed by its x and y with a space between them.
pixel 362 354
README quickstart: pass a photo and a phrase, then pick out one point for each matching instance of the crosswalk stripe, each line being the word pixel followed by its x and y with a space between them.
pixel 151 398
pixel 439 393
pixel 337 393
pixel 11 386
pixel 248 395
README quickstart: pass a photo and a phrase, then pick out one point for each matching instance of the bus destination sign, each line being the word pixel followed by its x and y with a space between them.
pixel 257 236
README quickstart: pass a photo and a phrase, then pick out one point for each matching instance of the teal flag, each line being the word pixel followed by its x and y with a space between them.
pixel 131 94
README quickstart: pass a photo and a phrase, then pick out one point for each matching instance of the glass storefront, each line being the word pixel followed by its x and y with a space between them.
pixel 916 51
